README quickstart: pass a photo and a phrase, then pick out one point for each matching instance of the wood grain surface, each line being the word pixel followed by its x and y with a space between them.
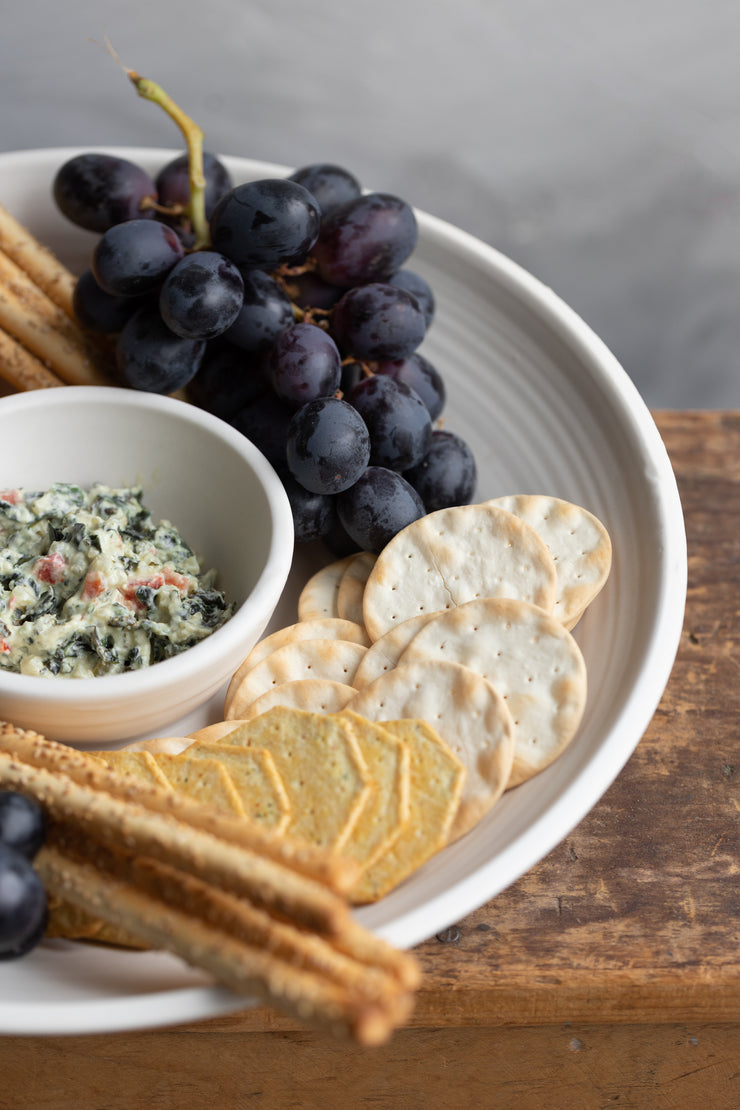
pixel 607 976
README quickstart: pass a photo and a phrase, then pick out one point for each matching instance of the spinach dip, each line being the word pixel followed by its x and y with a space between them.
pixel 91 585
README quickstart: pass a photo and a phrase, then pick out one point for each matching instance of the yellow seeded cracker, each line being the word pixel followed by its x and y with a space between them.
pixel 387 808
pixel 255 779
pixel 321 767
pixel 336 660
pixel 436 779
pixel 141 764
pixel 209 734
pixel 204 780
pixel 320 628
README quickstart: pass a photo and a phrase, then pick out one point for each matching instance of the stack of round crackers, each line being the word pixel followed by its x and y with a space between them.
pixel 451 652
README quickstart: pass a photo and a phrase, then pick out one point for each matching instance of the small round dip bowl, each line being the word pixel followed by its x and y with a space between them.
pixel 196 472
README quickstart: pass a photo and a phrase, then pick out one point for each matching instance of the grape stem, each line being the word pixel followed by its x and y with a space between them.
pixel 193 135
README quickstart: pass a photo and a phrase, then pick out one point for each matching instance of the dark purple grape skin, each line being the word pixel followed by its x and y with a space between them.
pixel 337 540
pixel 420 288
pixel 328 445
pixel 352 373
pixel 304 365
pixel 418 372
pixel 365 240
pixel 22 823
pixel 328 184
pixel 97 310
pixel 23 905
pixel 314 514
pixel 150 357
pixel 228 379
pixel 377 321
pixel 265 422
pixel 265 312
pixel 202 295
pixel 377 507
pixel 133 258
pixel 264 224
pixel 447 474
pixel 173 181
pixel 308 290
pixel 97 191
pixel 397 419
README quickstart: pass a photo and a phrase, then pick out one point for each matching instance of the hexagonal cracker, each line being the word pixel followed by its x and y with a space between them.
pixel 321 767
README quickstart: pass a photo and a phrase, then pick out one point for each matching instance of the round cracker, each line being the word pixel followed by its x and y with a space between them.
pixel 530 659
pixel 319 628
pixel 384 653
pixel 211 734
pixel 352 587
pixel 317 695
pixel 468 715
pixel 318 598
pixel 161 745
pixel 336 660
pixel 579 544
pixel 455 555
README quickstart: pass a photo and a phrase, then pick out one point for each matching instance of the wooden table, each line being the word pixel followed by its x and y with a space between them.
pixel 608 976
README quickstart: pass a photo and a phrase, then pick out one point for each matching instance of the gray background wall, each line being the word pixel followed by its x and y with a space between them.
pixel 597 143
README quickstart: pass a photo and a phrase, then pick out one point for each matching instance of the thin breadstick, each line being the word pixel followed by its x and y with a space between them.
pixel 21 369
pixel 35 302
pixel 244 968
pixel 47 336
pixel 338 873
pixel 248 923
pixel 46 271
pixel 230 867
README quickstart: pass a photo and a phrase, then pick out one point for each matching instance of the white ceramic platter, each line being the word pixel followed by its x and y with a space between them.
pixel 546 409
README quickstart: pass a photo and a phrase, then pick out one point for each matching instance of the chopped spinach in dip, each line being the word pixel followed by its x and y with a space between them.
pixel 91 585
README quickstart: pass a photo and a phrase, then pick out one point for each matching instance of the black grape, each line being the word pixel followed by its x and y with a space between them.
pixel 308 290
pixel 23 905
pixel 304 364
pixel 151 357
pixel 22 823
pixel 201 296
pixel 228 379
pixel 265 421
pixel 96 191
pixel 134 257
pixel 99 311
pixel 418 372
pixel 366 239
pixel 329 185
pixel 397 419
pixel 173 181
pixel 264 224
pixel 446 475
pixel 378 506
pixel 314 514
pixel 328 445
pixel 378 321
pixel 420 288
pixel 265 312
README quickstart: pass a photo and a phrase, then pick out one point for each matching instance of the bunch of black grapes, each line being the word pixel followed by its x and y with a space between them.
pixel 298 323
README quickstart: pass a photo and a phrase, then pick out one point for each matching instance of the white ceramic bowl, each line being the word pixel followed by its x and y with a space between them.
pixel 210 482
pixel 546 409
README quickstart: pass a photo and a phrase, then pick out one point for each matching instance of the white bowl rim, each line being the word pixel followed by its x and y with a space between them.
pixel 226 639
